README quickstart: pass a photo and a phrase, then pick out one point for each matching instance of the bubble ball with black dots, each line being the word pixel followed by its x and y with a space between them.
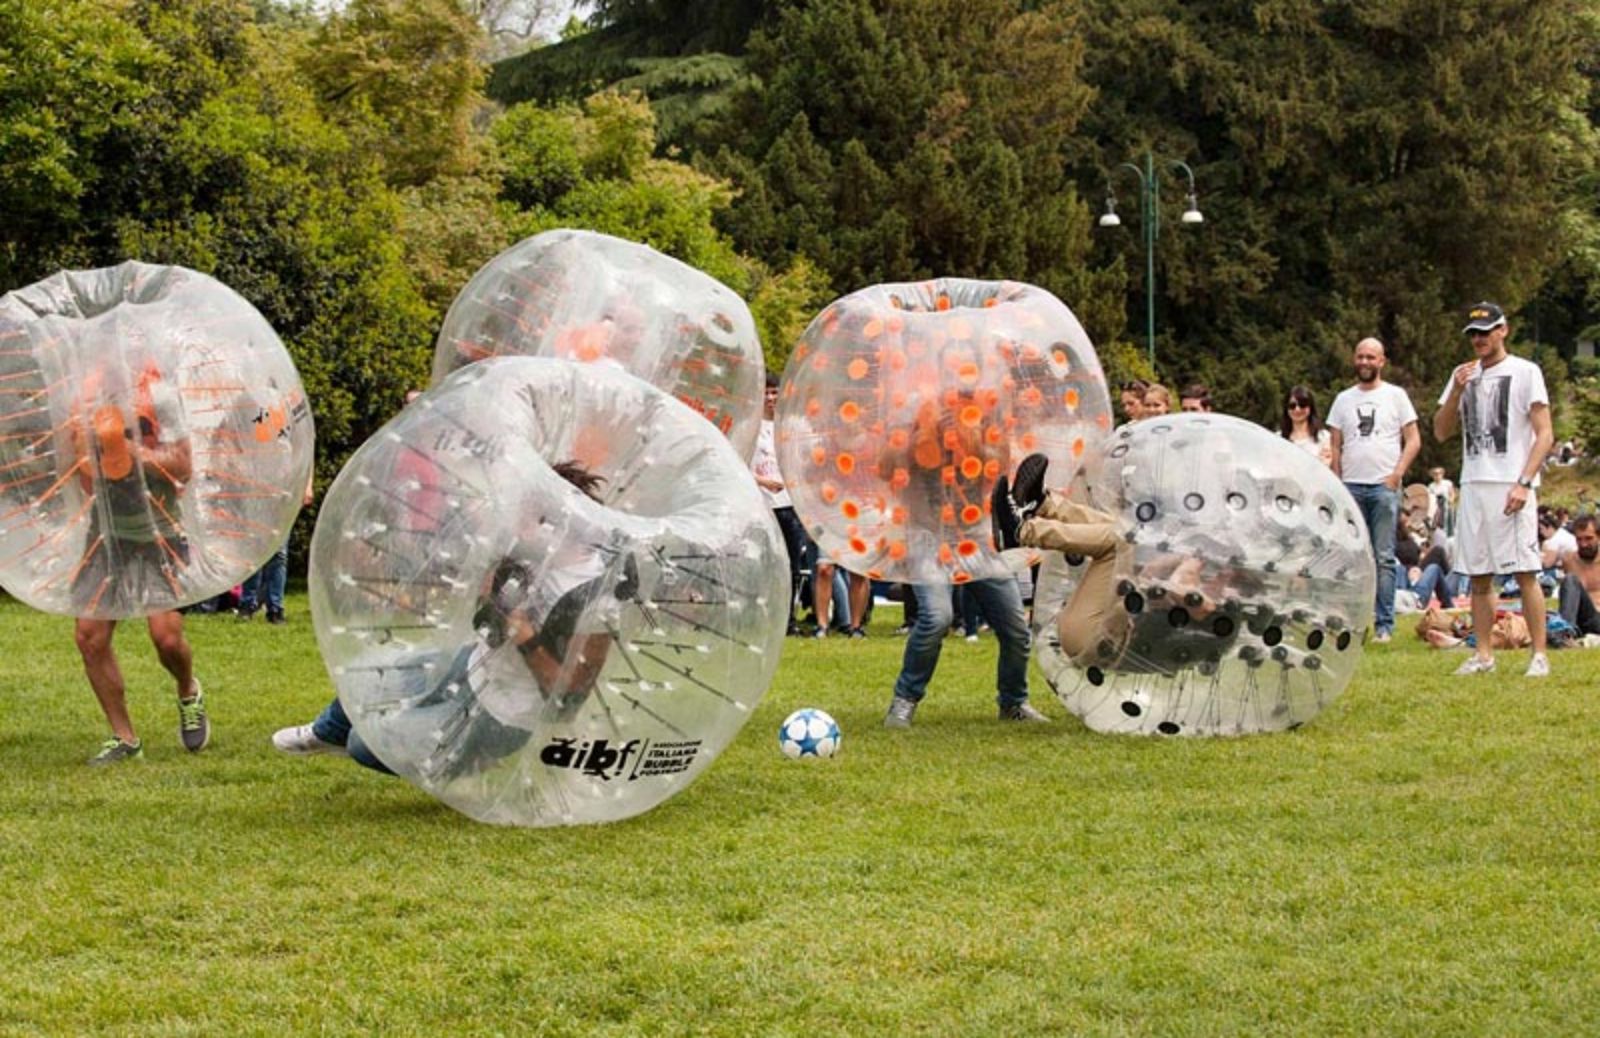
pixel 1243 586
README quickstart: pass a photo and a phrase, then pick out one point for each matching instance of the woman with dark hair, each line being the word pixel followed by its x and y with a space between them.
pixel 1301 426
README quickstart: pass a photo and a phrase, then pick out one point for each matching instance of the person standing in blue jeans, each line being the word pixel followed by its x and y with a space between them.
pixel 1000 601
pixel 1374 440
pixel 266 585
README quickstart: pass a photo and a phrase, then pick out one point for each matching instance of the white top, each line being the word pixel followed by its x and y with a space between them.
pixel 1317 447
pixel 1562 541
pixel 1370 422
pixel 1496 433
pixel 764 463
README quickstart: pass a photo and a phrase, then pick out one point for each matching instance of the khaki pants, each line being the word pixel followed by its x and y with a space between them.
pixel 1095 614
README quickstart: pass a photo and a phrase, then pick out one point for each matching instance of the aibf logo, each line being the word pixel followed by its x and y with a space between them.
pixel 598 758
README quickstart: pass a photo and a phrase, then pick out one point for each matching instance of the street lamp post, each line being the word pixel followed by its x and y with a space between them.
pixel 1150 221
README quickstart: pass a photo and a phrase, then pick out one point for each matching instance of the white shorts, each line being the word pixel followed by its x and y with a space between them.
pixel 1488 540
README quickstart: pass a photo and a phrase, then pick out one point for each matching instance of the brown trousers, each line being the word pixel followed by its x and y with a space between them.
pixel 1095 614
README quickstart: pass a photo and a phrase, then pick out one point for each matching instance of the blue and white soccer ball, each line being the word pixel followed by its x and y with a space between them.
pixel 809 732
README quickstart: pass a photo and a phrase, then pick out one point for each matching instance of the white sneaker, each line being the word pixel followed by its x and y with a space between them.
pixel 1538 667
pixel 972 638
pixel 1382 637
pixel 1476 664
pixel 301 741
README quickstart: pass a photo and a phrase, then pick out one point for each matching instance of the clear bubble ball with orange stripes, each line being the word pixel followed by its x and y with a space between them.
pixel 155 441
pixel 903 404
pixel 595 299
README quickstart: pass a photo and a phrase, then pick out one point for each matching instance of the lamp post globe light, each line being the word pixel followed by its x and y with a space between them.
pixel 1150 222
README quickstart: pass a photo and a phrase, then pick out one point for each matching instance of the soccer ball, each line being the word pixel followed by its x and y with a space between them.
pixel 809 732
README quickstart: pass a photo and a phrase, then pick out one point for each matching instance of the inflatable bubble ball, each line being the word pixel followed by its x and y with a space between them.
pixel 548 593
pixel 902 406
pixel 593 298
pixel 155 441
pixel 1217 580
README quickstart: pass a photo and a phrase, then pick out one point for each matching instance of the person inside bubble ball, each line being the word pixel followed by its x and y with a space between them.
pixel 533 620
pixel 1099 627
pixel 936 469
pixel 135 543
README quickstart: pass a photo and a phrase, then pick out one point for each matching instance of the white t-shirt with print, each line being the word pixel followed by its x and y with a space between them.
pixel 764 463
pixel 1496 432
pixel 1370 424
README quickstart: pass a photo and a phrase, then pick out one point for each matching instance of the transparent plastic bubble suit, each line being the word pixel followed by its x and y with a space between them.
pixel 155 441
pixel 903 404
pixel 597 299
pixel 526 654
pixel 1237 596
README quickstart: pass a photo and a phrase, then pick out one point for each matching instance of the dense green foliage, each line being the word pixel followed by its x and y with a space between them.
pixel 1365 168
pixel 1415 862
pixel 343 173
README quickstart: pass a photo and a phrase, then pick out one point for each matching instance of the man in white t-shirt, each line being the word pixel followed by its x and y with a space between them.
pixel 1500 404
pixel 1374 439
pixel 764 465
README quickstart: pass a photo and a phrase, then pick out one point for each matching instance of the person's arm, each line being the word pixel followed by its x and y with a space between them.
pixel 1447 419
pixel 1336 451
pixel 1550 555
pixel 1410 444
pixel 174 461
pixel 558 677
pixel 1543 437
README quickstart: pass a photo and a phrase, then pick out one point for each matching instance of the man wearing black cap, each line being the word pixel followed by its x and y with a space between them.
pixel 1503 410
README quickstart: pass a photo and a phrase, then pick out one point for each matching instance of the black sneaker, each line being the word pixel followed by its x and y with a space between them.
pixel 856 632
pixel 1027 490
pixel 275 616
pixel 1003 522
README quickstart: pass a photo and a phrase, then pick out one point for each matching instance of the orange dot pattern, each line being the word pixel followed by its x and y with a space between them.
pixel 903 405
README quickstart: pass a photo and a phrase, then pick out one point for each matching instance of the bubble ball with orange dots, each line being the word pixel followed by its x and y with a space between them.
pixel 903 404
pixel 592 298
pixel 155 441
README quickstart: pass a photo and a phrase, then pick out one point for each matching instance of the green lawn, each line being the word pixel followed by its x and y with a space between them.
pixel 1421 860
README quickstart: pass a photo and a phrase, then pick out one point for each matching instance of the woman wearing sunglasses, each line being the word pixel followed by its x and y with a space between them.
pixel 1301 426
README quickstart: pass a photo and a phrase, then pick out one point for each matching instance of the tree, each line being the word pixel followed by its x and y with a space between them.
pixel 404 77
pixel 891 140
pixel 1367 168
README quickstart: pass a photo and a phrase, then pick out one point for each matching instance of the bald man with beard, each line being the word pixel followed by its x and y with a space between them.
pixel 1374 439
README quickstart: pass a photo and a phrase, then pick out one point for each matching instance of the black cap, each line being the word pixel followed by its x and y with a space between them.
pixel 1483 317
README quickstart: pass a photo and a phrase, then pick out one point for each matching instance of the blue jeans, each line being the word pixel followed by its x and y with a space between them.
pixel 1380 507
pixel 333 726
pixel 967 606
pixel 1001 604
pixel 266 583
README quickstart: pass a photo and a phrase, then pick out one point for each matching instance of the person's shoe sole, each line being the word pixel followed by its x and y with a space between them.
pixel 1027 490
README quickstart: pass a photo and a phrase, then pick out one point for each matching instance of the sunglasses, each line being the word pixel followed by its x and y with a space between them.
pixel 1296 405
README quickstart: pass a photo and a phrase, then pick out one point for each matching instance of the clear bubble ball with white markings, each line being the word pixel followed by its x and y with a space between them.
pixel 1208 578
pixel 548 593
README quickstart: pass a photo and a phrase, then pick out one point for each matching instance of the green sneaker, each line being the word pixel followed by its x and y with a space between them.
pixel 193 727
pixel 115 751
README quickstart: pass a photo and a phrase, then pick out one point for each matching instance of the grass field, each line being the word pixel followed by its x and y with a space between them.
pixel 1421 860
